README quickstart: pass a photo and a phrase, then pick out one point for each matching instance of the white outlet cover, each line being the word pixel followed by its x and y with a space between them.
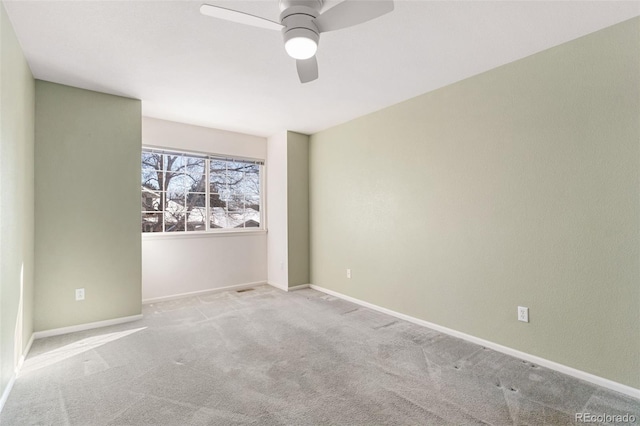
pixel 523 314
pixel 79 293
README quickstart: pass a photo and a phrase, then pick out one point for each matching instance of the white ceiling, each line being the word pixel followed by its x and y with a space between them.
pixel 195 69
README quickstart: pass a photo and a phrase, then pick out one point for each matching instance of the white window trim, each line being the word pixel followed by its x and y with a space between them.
pixel 204 234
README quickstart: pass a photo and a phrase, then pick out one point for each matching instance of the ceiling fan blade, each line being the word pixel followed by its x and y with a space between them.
pixel 307 69
pixel 239 17
pixel 350 13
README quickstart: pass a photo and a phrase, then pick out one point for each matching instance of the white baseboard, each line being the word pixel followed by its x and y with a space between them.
pixel 83 327
pixel 202 292
pixel 285 288
pixel 298 287
pixel 25 353
pixel 279 286
pixel 7 391
pixel 12 380
pixel 570 371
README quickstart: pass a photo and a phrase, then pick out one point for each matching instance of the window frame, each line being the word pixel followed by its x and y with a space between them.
pixel 209 231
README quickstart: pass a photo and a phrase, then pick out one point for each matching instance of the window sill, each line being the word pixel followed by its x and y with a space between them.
pixel 201 234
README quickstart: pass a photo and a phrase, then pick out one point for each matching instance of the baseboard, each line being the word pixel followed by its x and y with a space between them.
pixel 285 288
pixel 202 292
pixel 7 391
pixel 570 371
pixel 12 380
pixel 83 327
pixel 298 287
pixel 278 286
pixel 25 353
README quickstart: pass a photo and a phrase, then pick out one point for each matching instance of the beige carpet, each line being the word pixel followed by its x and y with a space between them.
pixel 267 357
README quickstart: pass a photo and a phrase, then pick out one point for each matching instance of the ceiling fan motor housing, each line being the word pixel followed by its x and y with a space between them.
pixel 314 4
pixel 298 21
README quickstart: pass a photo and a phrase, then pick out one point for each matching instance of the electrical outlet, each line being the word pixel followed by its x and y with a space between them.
pixel 348 273
pixel 79 294
pixel 523 314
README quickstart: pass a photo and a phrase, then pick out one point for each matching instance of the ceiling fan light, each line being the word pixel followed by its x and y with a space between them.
pixel 301 43
pixel 301 47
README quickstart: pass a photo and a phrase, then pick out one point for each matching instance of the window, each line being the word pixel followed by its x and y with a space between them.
pixel 185 192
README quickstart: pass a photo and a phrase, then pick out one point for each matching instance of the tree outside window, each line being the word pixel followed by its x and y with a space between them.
pixel 184 192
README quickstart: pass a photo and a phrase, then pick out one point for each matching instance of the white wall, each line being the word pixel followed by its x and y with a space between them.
pixel 174 265
pixel 181 264
pixel 169 134
pixel 277 241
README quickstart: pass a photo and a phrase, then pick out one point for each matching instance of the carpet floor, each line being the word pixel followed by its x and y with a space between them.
pixel 267 357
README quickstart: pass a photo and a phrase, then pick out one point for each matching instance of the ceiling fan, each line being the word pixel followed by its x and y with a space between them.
pixel 302 23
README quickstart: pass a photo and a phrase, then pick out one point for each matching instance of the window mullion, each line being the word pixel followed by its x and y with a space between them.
pixel 164 197
pixel 206 197
pixel 228 193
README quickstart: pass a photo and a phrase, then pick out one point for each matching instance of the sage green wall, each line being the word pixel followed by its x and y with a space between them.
pixel 298 208
pixel 87 210
pixel 16 201
pixel 519 186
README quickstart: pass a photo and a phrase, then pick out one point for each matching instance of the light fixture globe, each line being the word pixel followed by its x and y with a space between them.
pixel 301 43
pixel 301 47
